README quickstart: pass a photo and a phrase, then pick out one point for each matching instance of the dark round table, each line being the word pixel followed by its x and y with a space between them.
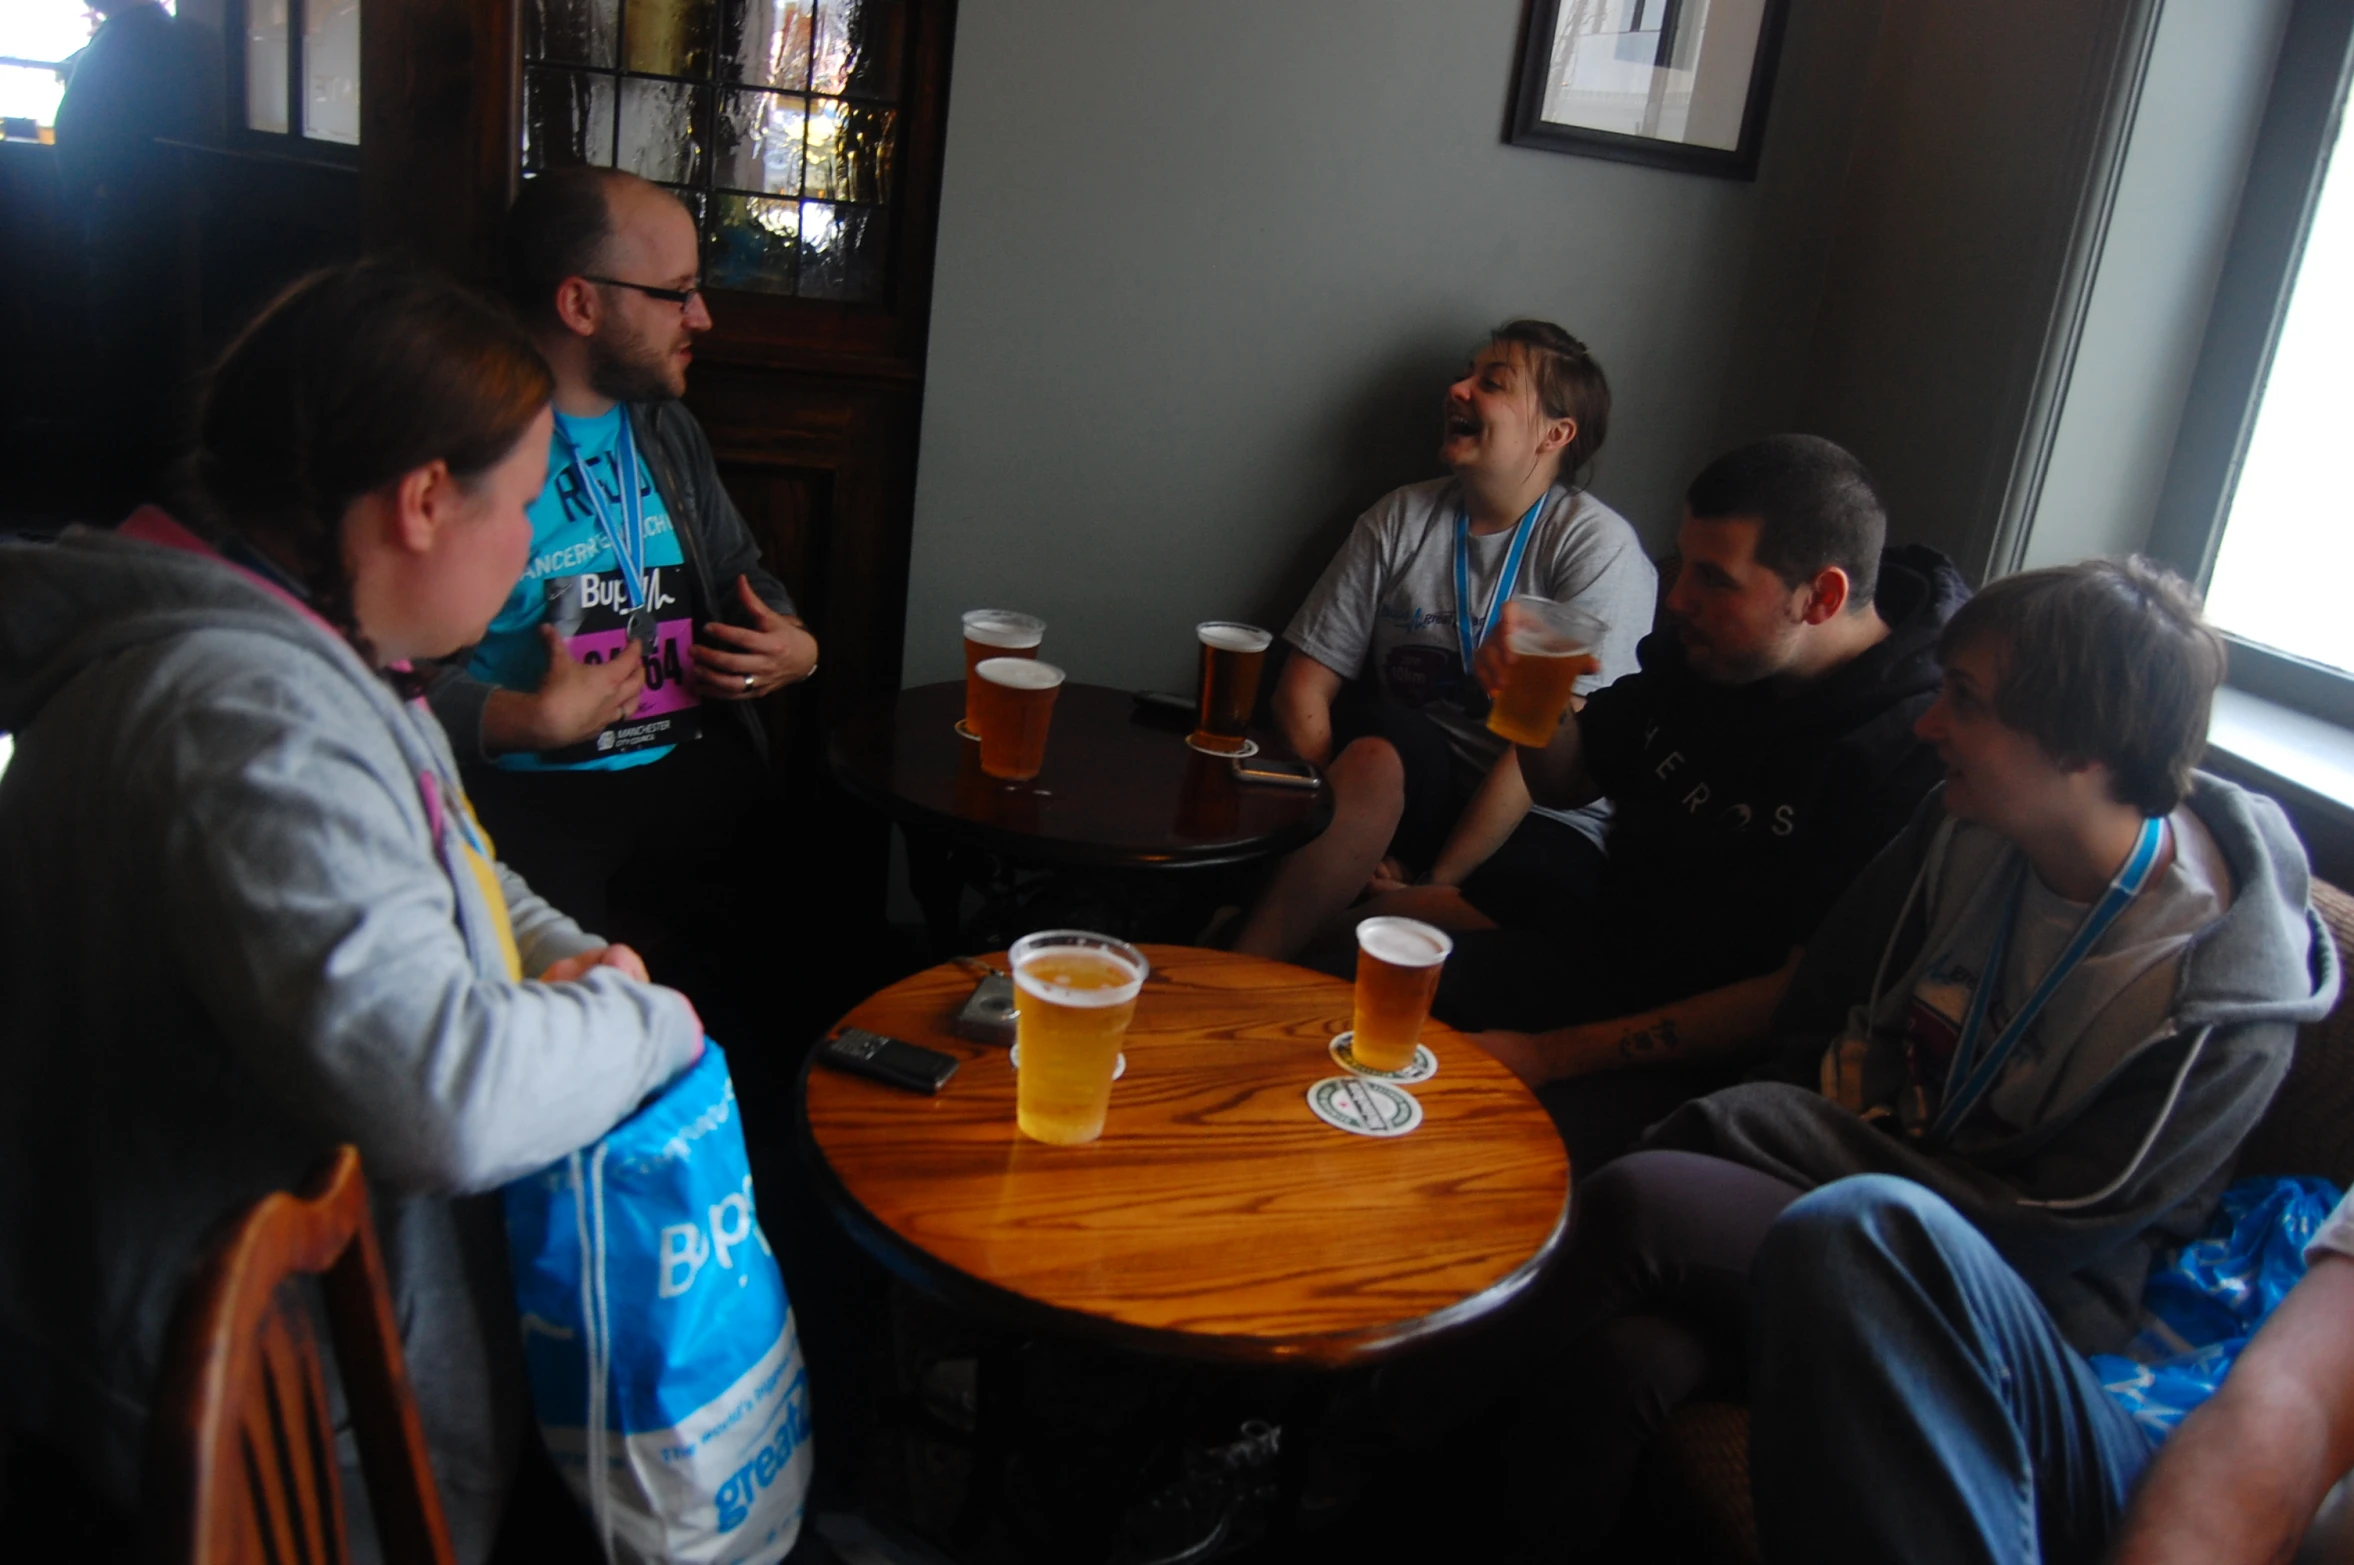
pixel 1120 789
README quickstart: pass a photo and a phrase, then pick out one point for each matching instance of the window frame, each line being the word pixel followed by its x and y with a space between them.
pixel 2303 111
pixel 290 142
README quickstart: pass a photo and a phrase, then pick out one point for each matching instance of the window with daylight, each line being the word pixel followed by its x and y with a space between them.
pixel 776 120
pixel 36 41
pixel 301 69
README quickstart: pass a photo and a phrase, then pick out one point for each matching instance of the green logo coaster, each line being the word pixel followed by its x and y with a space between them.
pixel 1363 1107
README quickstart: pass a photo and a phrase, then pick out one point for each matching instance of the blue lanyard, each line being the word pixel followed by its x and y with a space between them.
pixel 633 510
pixel 1966 1082
pixel 1471 630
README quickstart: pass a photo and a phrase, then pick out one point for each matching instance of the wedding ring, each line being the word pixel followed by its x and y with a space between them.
pixel 747 684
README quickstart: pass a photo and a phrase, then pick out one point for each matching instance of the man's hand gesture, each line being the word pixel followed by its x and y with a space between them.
pixel 776 651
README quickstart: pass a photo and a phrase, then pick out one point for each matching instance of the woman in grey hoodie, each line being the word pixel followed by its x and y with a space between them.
pixel 2056 1003
pixel 245 913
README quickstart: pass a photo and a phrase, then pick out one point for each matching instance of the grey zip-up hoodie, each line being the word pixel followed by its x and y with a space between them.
pixel 236 929
pixel 2124 1142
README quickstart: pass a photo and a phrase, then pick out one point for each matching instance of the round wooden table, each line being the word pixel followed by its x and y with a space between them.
pixel 1120 789
pixel 1217 1217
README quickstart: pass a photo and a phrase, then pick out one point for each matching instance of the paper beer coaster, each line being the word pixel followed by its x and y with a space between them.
pixel 1363 1107
pixel 1422 1067
pixel 1249 747
pixel 1013 1057
pixel 962 732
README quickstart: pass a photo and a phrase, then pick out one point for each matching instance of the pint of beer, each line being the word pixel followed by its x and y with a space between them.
pixel 1232 655
pixel 1016 703
pixel 1074 994
pixel 1398 962
pixel 1552 644
pixel 994 633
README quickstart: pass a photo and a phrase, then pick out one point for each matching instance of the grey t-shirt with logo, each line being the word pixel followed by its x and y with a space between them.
pixel 1385 606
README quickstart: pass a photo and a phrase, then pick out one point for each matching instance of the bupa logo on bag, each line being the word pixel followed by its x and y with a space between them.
pixel 664 1364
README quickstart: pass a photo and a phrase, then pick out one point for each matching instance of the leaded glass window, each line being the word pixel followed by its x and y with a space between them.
pixel 777 121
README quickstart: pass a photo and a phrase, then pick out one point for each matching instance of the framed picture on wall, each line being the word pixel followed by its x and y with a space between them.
pixel 1672 83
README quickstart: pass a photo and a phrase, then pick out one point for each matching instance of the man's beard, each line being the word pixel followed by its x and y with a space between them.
pixel 629 371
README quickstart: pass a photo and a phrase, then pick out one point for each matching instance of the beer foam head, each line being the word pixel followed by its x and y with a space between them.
pixel 1404 942
pixel 1542 641
pixel 1003 628
pixel 1019 673
pixel 1091 971
pixel 1227 636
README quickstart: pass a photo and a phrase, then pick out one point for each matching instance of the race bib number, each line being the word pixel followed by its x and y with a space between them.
pixel 591 613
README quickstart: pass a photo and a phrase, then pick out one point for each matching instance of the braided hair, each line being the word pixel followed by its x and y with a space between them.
pixel 350 379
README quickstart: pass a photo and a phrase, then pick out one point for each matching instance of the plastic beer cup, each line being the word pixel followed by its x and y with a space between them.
pixel 1232 656
pixel 1074 995
pixel 1398 963
pixel 1552 644
pixel 1017 702
pixel 993 633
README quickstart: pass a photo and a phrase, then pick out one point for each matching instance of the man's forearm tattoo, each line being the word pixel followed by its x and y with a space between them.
pixel 1645 1042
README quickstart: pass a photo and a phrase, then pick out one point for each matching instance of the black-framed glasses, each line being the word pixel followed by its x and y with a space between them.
pixel 677 296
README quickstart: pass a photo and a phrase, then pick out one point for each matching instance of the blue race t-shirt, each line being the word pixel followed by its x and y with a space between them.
pixel 575 579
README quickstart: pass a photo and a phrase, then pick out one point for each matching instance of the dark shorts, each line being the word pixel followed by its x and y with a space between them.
pixel 1546 874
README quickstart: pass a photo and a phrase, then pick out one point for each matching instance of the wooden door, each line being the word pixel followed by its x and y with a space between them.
pixel 807 135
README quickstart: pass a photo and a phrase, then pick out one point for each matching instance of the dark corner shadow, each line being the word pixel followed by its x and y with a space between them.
pixel 1382 433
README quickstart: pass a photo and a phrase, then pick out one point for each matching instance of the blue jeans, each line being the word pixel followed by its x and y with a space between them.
pixel 1910 1398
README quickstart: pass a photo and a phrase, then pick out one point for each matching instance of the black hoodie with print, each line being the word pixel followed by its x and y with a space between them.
pixel 1744 811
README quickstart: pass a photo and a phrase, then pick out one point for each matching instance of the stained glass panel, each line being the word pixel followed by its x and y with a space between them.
pixel 668 37
pixel 567 119
pixel 662 130
pixel 760 141
pixel 743 108
pixel 754 244
pixel 765 43
pixel 842 251
pixel 849 151
pixel 571 32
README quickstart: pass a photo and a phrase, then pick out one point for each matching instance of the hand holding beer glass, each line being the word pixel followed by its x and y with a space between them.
pixel 1531 666
pixel 993 633
pixel 1232 656
pixel 1398 963
pixel 1074 995
pixel 1016 704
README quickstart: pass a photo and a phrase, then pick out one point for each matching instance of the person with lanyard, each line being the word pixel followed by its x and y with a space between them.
pixel 249 915
pixel 606 717
pixel 2054 1006
pixel 1378 688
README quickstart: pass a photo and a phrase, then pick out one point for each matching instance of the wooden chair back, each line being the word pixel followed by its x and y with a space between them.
pixel 241 1448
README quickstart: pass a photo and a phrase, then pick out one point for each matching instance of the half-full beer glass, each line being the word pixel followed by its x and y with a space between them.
pixel 1398 962
pixel 1552 644
pixel 1074 994
pixel 1017 702
pixel 993 633
pixel 1232 656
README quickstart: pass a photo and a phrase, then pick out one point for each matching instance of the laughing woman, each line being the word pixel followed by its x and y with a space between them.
pixel 1422 791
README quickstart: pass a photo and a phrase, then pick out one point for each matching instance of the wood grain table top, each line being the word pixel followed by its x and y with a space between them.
pixel 1217 1217
pixel 1120 789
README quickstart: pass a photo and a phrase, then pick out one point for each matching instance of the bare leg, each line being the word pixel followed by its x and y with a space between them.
pixel 1440 905
pixel 1368 785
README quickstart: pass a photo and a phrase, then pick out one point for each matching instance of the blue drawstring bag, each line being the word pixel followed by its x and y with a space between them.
pixel 2204 1301
pixel 663 1361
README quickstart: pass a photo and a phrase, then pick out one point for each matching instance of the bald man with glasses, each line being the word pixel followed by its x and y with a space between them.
pixel 606 719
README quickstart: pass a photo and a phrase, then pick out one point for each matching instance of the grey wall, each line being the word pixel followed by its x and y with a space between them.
pixel 1203 271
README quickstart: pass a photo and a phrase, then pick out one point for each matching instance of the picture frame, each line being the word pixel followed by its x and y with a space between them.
pixel 1676 84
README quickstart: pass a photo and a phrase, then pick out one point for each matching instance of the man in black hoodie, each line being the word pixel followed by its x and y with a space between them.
pixel 1759 758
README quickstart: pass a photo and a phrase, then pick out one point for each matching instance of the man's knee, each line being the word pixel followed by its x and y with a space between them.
pixel 1834 1240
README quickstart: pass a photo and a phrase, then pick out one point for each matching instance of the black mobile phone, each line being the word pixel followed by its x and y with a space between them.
pixel 1274 769
pixel 891 1061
